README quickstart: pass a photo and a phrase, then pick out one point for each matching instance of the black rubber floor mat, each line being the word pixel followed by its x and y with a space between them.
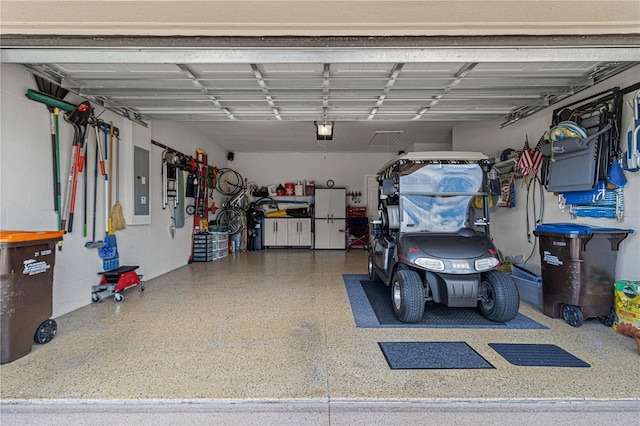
pixel 431 355
pixel 537 355
pixel 436 314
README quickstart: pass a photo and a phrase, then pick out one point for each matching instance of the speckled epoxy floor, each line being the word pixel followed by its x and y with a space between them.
pixel 277 325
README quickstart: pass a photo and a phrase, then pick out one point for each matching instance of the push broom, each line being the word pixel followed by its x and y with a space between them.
pixel 117 218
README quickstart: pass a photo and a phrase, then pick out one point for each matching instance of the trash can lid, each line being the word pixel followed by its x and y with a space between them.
pixel 577 229
pixel 22 236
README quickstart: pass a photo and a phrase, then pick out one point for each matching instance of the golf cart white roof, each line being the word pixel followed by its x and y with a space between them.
pixel 435 155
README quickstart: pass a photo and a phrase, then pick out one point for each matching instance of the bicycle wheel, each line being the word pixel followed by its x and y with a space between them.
pixel 229 182
pixel 231 219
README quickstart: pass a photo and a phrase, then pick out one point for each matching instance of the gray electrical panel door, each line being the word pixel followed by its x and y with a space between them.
pixel 141 172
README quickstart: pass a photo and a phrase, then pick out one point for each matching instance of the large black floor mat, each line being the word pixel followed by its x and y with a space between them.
pixel 371 306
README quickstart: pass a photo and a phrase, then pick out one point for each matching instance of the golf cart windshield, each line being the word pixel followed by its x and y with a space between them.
pixel 436 197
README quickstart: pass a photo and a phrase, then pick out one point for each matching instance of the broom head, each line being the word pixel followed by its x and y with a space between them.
pixel 117 217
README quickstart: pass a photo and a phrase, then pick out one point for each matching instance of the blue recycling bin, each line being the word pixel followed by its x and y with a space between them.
pixel 578 270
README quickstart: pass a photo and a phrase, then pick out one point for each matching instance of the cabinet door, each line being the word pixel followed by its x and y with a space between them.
pixel 293 232
pixel 338 203
pixel 337 235
pixel 270 232
pixel 322 203
pixel 305 232
pixel 282 232
pixel 329 234
pixel 322 234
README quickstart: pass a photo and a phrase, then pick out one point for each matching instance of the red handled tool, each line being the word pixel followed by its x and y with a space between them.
pixel 79 118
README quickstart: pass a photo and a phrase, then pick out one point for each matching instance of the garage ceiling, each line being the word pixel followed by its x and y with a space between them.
pixel 381 98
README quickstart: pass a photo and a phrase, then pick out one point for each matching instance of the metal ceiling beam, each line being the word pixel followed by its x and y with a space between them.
pixel 462 73
pixel 265 90
pixel 196 82
pixel 393 76
pixel 137 55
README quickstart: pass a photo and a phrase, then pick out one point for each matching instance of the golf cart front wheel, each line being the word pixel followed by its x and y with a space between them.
pixel 407 295
pixel 498 294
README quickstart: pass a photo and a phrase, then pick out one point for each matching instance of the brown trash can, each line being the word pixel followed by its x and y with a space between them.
pixel 578 270
pixel 27 259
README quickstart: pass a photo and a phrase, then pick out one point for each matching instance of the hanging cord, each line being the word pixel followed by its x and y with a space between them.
pixel 531 194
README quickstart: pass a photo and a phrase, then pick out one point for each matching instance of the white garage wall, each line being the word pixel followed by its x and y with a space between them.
pixel 509 225
pixel 26 201
pixel 346 169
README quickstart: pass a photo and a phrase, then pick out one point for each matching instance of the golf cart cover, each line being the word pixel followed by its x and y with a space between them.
pixel 436 197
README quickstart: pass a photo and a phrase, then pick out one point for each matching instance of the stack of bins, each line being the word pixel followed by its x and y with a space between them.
pixel 223 244
pixel 27 260
pixel 578 270
pixel 204 247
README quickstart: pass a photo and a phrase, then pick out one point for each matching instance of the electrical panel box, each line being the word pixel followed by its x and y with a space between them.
pixel 141 183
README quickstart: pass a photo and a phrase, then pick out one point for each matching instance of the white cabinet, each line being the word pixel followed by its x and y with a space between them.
pixel 330 234
pixel 287 232
pixel 275 232
pixel 299 232
pixel 330 203
pixel 330 212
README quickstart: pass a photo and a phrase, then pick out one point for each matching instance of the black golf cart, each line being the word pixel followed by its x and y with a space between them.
pixel 432 244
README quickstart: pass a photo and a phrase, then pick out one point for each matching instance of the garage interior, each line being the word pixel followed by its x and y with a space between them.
pixel 269 336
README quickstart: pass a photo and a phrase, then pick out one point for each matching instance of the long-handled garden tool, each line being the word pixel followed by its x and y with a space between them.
pixel 56 177
pixel 70 178
pixel 85 179
pixel 55 146
pixel 79 118
pixel 93 243
pixel 52 94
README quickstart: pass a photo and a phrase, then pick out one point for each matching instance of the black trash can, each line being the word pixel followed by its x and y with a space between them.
pixel 578 270
pixel 27 260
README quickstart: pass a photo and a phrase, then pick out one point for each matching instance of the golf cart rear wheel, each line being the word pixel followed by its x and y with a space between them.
pixel 370 267
pixel 407 295
pixel 499 299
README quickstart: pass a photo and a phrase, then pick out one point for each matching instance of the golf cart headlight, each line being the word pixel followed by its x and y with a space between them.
pixel 431 264
pixel 486 264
